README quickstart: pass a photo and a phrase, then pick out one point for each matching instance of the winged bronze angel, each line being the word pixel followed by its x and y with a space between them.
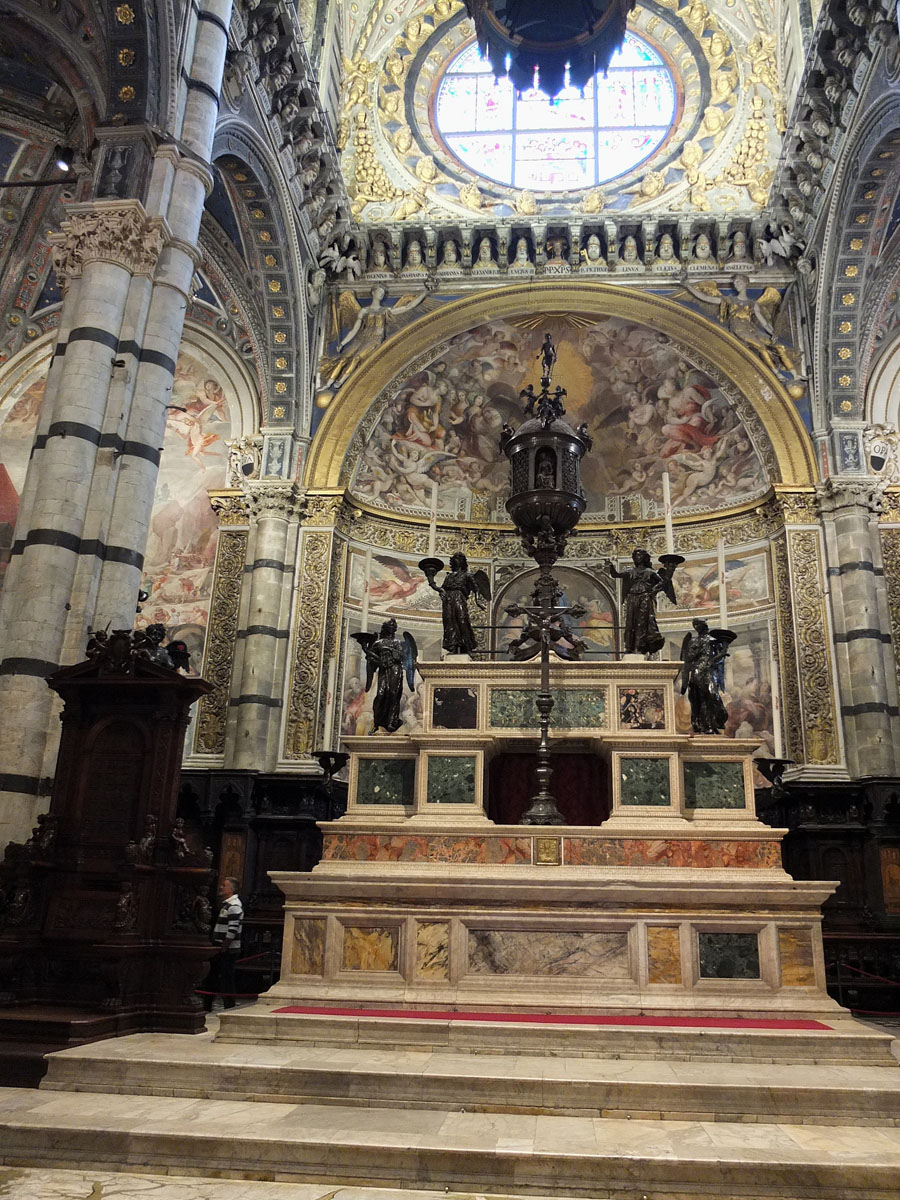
pixel 641 584
pixel 459 584
pixel 391 658
pixel 703 655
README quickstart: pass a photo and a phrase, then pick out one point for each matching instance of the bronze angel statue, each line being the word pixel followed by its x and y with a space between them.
pixel 640 586
pixel 703 655
pixel 391 658
pixel 459 584
pixel 752 322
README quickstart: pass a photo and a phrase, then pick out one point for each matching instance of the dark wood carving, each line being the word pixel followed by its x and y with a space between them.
pixel 105 910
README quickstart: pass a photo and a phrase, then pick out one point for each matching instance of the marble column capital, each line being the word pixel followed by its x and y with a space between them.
pixel 282 499
pixel 231 507
pixel 837 494
pixel 114 231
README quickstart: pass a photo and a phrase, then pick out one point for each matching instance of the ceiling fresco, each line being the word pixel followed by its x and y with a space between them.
pixel 648 405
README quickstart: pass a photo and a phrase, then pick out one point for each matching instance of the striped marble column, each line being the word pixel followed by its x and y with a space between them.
pixel 126 268
pixel 258 680
pixel 863 649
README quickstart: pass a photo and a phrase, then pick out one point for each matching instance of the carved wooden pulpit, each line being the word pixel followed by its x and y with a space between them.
pixel 106 925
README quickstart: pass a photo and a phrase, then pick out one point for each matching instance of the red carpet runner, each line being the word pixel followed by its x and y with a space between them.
pixel 411 1014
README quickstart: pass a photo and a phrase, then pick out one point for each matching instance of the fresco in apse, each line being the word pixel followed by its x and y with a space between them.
pixel 181 546
pixel 646 406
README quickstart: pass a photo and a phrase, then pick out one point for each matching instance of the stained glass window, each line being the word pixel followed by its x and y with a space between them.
pixel 575 141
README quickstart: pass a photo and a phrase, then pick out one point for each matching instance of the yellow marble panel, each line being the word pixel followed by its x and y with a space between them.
pixel 664 954
pixel 796 951
pixel 308 954
pixel 370 949
pixel 433 950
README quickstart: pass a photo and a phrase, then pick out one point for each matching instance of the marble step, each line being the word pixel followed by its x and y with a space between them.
pixel 154 1064
pixel 490 1153
pixel 845 1041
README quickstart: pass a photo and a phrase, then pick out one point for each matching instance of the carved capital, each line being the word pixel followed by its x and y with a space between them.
pixel 231 507
pixel 839 494
pixel 797 508
pixel 282 499
pixel 115 231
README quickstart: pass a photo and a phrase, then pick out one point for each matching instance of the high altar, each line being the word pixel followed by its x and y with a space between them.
pixel 676 904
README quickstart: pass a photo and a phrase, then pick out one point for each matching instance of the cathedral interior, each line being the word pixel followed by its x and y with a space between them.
pixel 270 301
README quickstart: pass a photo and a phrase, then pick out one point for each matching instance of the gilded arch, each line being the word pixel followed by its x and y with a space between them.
pixel 794 460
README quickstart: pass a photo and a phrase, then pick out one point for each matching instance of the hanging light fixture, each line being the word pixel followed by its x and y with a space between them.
pixel 578 37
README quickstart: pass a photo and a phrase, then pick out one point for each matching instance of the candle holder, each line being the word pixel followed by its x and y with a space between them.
pixel 671 561
pixel 772 770
pixel 331 762
pixel 430 567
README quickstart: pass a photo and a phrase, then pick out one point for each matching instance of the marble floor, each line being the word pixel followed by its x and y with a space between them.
pixel 195 1118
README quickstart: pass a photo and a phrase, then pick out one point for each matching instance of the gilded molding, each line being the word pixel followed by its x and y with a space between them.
pixel 114 231
pixel 814 656
pixel 309 626
pixel 798 507
pixel 221 641
pixel 774 410
pixel 890 551
pixel 787 658
pixel 890 507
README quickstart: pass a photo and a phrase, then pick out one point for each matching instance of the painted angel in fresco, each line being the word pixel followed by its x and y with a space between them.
pixel 703 654
pixel 641 584
pixel 391 659
pixel 459 584
pixel 751 321
pixel 360 329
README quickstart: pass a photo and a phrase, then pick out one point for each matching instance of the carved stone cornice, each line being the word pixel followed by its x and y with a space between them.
pixel 836 495
pixel 231 507
pixel 283 500
pixel 115 231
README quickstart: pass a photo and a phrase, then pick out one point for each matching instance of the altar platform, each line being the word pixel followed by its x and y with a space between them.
pixel 676 904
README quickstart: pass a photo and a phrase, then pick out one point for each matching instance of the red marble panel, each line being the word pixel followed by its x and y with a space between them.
pixel 670 852
pixel 382 847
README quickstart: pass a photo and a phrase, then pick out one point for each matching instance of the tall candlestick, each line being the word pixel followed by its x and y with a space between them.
pixel 432 524
pixel 723 591
pixel 775 684
pixel 328 739
pixel 367 572
pixel 667 513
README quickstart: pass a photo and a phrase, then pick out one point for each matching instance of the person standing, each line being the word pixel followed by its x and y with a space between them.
pixel 226 935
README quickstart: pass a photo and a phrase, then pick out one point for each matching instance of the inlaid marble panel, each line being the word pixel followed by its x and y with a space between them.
pixel 403 847
pixel 729 955
pixel 433 950
pixel 642 708
pixel 370 949
pixel 451 778
pixel 454 708
pixel 714 785
pixel 671 852
pixel 795 949
pixel 386 781
pixel 645 781
pixel 574 708
pixel 581 953
pixel 664 954
pixel 308 951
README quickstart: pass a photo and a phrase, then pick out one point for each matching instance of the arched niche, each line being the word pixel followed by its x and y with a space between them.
pixel 883 389
pixel 599 627
pixel 765 409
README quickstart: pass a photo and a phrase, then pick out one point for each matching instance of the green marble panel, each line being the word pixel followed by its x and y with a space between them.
pixel 574 708
pixel 645 781
pixel 386 781
pixel 451 779
pixel 714 785
pixel 729 955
